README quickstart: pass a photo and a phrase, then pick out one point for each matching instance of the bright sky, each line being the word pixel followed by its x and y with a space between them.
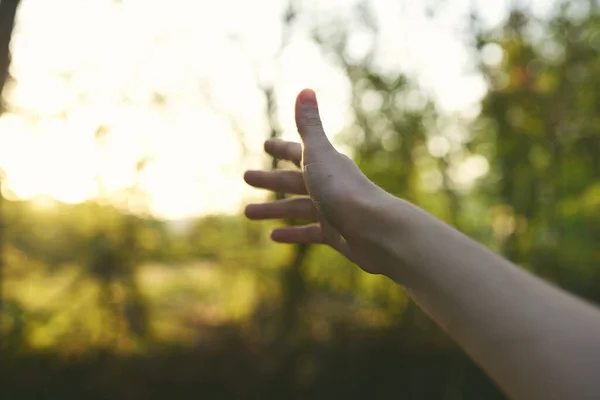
pixel 85 64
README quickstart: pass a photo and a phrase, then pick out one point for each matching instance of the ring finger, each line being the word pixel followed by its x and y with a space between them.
pixel 294 208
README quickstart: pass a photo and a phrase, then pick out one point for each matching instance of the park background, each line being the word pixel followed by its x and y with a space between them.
pixel 128 270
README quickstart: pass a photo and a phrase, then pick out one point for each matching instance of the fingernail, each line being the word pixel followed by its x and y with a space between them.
pixel 308 96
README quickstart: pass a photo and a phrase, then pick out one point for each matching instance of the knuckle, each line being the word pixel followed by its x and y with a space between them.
pixel 289 151
pixel 289 180
pixel 278 179
pixel 280 146
pixel 295 207
pixel 312 121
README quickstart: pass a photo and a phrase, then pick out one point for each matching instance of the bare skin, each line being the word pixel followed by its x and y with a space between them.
pixel 535 340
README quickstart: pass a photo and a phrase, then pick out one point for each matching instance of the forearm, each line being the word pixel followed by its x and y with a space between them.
pixel 533 339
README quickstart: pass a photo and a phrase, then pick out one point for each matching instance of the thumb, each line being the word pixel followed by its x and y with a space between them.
pixel 310 128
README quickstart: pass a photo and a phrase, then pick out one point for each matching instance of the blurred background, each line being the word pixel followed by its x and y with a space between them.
pixel 128 270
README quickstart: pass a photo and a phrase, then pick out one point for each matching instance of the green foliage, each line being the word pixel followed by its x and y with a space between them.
pixel 541 118
pixel 126 306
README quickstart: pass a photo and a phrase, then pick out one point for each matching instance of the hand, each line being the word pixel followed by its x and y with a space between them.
pixel 335 186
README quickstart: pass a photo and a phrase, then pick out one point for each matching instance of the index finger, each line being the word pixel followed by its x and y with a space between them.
pixel 284 150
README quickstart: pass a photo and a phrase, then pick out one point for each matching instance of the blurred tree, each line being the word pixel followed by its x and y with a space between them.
pixel 540 130
pixel 8 14
pixel 115 254
pixel 341 333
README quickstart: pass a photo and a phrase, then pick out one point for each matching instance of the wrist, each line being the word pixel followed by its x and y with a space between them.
pixel 379 232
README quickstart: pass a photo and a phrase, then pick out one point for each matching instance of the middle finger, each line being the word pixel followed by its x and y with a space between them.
pixel 286 181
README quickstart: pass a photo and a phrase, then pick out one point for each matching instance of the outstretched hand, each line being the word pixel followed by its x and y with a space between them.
pixel 475 295
pixel 334 186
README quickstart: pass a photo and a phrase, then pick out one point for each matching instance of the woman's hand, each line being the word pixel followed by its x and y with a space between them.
pixel 334 187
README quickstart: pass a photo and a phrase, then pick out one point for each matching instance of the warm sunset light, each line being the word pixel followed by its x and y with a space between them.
pixel 162 81
pixel 154 245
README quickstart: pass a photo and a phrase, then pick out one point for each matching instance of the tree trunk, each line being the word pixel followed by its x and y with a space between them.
pixel 8 13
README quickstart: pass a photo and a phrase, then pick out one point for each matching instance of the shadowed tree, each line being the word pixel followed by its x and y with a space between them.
pixel 8 13
pixel 293 285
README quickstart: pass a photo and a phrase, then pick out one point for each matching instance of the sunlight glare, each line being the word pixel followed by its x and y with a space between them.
pixel 161 81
